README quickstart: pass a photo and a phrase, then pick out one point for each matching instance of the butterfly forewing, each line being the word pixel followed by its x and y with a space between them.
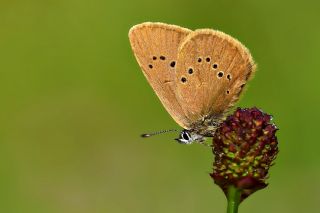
pixel 211 72
pixel 155 46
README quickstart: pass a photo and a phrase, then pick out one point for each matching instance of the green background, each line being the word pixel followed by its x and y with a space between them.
pixel 74 102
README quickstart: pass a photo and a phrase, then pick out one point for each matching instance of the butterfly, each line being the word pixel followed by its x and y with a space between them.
pixel 197 75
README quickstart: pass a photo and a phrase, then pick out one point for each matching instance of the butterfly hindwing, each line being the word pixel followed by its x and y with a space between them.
pixel 211 72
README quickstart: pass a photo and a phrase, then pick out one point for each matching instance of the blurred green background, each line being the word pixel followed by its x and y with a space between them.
pixel 74 102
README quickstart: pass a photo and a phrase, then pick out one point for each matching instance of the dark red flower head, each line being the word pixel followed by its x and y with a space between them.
pixel 244 146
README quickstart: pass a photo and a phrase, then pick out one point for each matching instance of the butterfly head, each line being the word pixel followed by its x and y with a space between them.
pixel 185 136
pixel 188 137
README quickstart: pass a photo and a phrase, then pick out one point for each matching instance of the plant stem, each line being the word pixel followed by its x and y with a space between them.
pixel 234 195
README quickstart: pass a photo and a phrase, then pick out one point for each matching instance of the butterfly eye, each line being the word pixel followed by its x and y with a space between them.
pixel 208 59
pixel 199 60
pixel 228 92
pixel 190 71
pixel 173 63
pixel 185 136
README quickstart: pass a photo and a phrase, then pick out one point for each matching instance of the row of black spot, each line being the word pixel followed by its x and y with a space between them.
pixel 161 58
pixel 172 63
pixel 190 70
pixel 220 74
pixel 208 59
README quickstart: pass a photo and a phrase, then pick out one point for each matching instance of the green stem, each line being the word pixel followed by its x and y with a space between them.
pixel 234 195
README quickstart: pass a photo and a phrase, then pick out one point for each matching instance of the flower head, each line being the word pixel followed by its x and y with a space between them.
pixel 244 146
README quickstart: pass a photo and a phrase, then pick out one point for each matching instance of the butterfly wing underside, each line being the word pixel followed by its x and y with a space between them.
pixel 155 46
pixel 212 70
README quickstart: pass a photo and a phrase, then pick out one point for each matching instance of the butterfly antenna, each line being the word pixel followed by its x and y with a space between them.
pixel 157 133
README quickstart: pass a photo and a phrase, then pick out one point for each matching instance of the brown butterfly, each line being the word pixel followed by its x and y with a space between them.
pixel 197 75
